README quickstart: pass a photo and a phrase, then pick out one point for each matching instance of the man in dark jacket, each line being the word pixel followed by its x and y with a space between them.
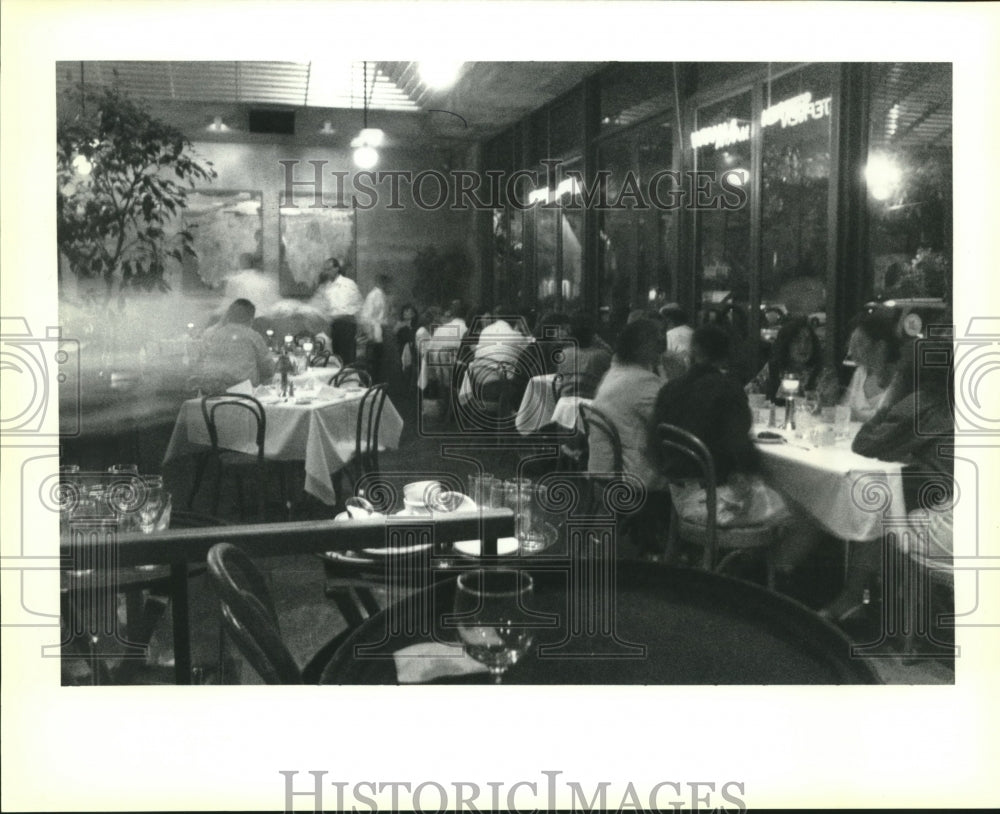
pixel 709 403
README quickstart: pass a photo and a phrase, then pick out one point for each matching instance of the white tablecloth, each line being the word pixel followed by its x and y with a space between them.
pixel 537 404
pixel 847 494
pixel 539 407
pixel 322 434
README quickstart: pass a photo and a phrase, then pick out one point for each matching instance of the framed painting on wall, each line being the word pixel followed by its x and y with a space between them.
pixel 308 237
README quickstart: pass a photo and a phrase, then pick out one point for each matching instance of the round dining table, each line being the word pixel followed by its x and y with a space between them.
pixel 612 622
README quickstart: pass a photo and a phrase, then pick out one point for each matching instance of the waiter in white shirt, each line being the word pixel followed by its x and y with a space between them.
pixel 342 300
pixel 373 315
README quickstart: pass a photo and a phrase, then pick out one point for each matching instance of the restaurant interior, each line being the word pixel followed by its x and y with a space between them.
pixel 561 431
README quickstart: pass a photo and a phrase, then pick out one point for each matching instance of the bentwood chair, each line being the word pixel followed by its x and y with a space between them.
pixel 250 619
pixel 244 467
pixel 351 372
pixel 720 546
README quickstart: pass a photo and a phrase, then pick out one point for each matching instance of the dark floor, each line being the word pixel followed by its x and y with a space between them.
pixel 308 618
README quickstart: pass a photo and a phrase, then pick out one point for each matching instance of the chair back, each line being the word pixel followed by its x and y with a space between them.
pixel 249 616
pixel 239 402
pixel 675 440
pixel 583 385
pixel 492 386
pixel 595 423
pixel 369 421
pixel 348 372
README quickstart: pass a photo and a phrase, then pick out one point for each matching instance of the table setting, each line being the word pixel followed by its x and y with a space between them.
pixel 805 452
pixel 430 499
pixel 315 423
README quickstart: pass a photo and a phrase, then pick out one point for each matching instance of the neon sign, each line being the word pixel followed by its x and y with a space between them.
pixel 721 135
pixel 789 112
pixel 795 111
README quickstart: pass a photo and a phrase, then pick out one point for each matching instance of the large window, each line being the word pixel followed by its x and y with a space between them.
pixel 795 180
pixel 637 246
pixel 723 257
pixel 908 175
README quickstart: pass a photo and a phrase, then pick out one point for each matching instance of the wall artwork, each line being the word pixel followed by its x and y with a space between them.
pixel 308 237
pixel 227 235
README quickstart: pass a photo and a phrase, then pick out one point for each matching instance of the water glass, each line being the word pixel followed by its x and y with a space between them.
pixel 151 509
pixel 763 414
pixel 519 497
pixel 498 494
pixel 480 487
pixel 842 421
pixel 163 522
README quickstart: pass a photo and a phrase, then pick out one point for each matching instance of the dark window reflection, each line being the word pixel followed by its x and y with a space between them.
pixel 723 244
pixel 795 180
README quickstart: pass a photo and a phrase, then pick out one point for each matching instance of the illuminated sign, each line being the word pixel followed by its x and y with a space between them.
pixel 796 110
pixel 721 135
pixel 789 112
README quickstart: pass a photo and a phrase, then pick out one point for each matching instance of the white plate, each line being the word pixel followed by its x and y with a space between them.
pixel 471 548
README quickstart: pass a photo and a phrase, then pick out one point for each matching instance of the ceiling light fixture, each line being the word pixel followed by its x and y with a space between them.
pixel 365 144
pixel 439 73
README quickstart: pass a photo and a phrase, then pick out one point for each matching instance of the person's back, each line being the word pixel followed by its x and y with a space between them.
pixel 232 351
pixel 627 395
pixel 583 368
pixel 712 406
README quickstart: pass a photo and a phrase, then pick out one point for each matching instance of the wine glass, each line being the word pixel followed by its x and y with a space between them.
pixel 493 623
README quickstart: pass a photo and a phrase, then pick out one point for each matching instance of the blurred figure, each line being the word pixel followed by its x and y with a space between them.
pixel 627 395
pixel 677 357
pixel 874 348
pixel 232 352
pixel 373 314
pixel 710 403
pixel 584 363
pixel 915 419
pixel 340 300
pixel 551 334
pixel 406 338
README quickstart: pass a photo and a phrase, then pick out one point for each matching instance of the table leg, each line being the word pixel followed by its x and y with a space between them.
pixel 180 613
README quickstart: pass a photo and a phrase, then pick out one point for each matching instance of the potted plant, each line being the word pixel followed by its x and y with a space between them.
pixel 122 178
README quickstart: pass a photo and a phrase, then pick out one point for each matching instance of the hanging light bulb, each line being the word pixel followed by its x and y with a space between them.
pixel 370 138
pixel 365 157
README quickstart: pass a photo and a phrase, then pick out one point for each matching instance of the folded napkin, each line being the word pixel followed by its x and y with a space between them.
pixel 327 392
pixel 427 661
pixel 244 388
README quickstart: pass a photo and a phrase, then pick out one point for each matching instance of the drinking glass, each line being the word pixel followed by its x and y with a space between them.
pixel 480 487
pixel 163 523
pixel 842 421
pixel 498 494
pixel 519 498
pixel 493 623
pixel 811 402
pixel 151 508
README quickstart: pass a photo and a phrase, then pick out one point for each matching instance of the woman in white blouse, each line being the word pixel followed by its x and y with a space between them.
pixel 874 347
